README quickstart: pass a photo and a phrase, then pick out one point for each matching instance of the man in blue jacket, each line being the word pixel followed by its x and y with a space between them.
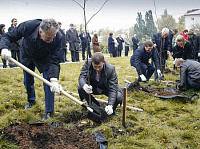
pixel 40 45
pixel 162 45
pixel 140 60
pixel 85 42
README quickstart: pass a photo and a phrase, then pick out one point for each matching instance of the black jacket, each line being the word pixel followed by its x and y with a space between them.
pixel 15 45
pixel 120 41
pixel 109 76
pixel 195 43
pixel 156 39
pixel 185 53
pixel 33 48
pixel 141 56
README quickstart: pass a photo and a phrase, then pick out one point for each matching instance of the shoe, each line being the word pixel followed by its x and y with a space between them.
pixel 116 112
pixel 47 116
pixel 30 104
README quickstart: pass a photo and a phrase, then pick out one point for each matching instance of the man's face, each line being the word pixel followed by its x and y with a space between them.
pixel 98 67
pixel 14 22
pixel 148 49
pixel 165 34
pixel 71 27
pixel 48 37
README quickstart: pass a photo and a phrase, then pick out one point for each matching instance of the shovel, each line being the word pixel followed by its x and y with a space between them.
pixel 95 113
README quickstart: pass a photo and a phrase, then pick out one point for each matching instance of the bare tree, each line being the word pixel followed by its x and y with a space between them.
pixel 86 23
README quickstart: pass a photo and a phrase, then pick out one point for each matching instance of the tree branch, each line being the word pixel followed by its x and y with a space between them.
pixel 78 4
pixel 97 12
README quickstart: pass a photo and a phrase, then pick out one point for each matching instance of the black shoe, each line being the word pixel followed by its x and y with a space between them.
pixel 30 104
pixel 47 116
pixel 116 112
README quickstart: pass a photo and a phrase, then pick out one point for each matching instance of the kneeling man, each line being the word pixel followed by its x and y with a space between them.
pixel 140 60
pixel 103 80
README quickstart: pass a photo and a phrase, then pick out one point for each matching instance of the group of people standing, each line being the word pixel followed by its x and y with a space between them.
pixel 76 42
pixel 115 45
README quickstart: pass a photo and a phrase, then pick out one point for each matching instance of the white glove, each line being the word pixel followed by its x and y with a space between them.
pixel 56 88
pixel 5 54
pixel 159 73
pixel 198 54
pixel 109 109
pixel 143 78
pixel 87 88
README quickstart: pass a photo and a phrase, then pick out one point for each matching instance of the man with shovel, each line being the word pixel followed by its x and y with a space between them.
pixel 40 45
pixel 102 80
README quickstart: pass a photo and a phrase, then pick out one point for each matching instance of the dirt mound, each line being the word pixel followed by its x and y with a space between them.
pixel 44 136
pixel 135 86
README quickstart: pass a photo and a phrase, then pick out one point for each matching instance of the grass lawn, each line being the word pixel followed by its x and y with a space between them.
pixel 169 123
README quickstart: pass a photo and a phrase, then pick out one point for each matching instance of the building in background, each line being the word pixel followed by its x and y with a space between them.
pixel 192 18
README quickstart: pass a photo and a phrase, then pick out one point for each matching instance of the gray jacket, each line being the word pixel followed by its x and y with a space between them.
pixel 190 68
pixel 109 76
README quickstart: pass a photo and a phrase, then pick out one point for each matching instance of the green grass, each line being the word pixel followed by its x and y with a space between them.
pixel 170 123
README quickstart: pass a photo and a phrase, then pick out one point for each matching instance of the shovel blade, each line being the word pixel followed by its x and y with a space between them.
pixel 98 114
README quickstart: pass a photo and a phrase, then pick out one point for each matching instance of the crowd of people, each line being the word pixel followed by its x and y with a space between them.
pixel 43 44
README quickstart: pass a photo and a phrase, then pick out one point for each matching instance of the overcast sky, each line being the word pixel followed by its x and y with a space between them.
pixel 115 14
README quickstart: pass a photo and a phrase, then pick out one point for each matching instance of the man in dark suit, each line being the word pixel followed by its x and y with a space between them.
pixel 120 40
pixel 135 41
pixel 140 60
pixel 161 43
pixel 85 42
pixel 73 40
pixel 103 80
pixel 40 45
pixel 15 45
pixel 63 50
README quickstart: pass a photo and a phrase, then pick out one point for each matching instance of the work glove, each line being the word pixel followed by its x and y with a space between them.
pixel 55 88
pixel 109 109
pixel 143 78
pixel 87 88
pixel 198 54
pixel 5 54
pixel 159 73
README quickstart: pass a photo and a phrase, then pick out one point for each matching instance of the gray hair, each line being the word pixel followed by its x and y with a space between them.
pixel 165 30
pixel 49 24
pixel 178 62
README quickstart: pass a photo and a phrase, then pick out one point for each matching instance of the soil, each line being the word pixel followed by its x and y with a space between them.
pixel 44 136
pixel 138 88
pixel 167 70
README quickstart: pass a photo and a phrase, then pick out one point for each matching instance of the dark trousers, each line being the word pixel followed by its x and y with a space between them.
pixel 84 95
pixel 15 54
pixel 162 64
pixel 126 50
pixel 191 84
pixel 75 56
pixel 119 53
pixel 29 85
pixel 147 70
pixel 83 52
pixel 4 63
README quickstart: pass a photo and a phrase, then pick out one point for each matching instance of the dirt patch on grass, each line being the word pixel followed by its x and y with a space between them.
pixel 44 136
pixel 138 88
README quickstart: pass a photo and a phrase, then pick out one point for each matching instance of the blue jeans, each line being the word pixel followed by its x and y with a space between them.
pixel 29 85
pixel 191 84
